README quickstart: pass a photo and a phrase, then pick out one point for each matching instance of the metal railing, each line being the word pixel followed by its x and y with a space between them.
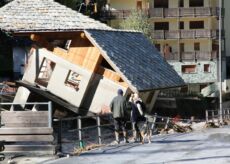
pixel 177 93
pixel 119 14
pixel 155 123
pixel 184 34
pixel 195 55
pixel 183 12
pixel 214 115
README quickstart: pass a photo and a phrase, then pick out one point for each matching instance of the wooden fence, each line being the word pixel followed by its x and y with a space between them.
pixel 27 131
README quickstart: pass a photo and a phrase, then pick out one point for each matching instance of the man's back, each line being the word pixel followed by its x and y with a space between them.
pixel 118 106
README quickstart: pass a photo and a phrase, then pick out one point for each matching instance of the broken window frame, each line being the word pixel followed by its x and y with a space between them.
pixel 73 80
pixel 45 72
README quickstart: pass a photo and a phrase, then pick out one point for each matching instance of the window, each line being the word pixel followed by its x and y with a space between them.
pixel 196 3
pixel 158 47
pixel 139 5
pixel 73 80
pixel 181 47
pixel 161 26
pixel 161 3
pixel 181 25
pixel 181 3
pixel 196 46
pixel 196 25
pixel 45 72
pixel 207 68
pixel 188 69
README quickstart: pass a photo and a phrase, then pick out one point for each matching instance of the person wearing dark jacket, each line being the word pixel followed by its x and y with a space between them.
pixel 118 107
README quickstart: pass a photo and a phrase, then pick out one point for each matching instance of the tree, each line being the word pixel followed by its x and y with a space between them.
pixel 138 21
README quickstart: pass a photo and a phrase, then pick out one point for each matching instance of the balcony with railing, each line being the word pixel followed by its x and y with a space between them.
pixel 119 14
pixel 184 34
pixel 195 56
pixel 183 12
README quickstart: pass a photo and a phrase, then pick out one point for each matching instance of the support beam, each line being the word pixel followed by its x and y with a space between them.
pixel 41 41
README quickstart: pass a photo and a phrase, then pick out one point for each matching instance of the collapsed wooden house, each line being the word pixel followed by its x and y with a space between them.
pixel 79 63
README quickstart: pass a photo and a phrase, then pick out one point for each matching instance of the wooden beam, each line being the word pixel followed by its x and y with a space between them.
pixel 41 41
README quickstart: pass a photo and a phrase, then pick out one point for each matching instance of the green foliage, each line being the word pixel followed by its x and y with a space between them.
pixel 137 21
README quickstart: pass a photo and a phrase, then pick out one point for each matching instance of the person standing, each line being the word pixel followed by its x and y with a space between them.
pixel 138 119
pixel 118 107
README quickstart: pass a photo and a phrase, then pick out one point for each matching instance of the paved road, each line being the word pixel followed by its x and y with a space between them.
pixel 207 146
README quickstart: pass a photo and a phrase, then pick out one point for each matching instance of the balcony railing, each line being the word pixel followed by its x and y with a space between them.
pixel 183 12
pixel 119 14
pixel 184 34
pixel 195 55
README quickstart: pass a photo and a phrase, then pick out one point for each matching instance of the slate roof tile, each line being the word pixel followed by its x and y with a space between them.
pixel 137 60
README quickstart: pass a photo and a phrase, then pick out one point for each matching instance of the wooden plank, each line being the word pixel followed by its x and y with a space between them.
pixel 40 149
pixel 24 113
pixel 34 130
pixel 25 138
pixel 29 117
pixel 25 124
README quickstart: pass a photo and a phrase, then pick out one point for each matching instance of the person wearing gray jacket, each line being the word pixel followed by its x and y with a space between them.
pixel 118 107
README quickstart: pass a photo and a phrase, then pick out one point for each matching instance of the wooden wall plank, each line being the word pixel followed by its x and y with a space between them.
pixel 38 149
pixel 26 125
pixel 25 138
pixel 29 130
pixel 9 118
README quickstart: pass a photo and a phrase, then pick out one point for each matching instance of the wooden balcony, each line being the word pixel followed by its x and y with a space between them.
pixel 183 12
pixel 119 14
pixel 184 34
pixel 195 55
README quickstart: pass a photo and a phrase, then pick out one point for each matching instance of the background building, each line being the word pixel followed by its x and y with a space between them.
pixel 186 34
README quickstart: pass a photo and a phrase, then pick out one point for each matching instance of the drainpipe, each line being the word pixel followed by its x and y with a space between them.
pixel 220 62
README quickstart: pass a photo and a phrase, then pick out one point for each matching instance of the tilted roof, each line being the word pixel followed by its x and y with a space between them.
pixel 136 59
pixel 44 15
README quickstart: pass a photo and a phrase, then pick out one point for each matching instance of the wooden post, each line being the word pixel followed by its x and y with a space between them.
pixel 153 125
pixel 206 115
pixel 59 135
pixel 50 114
pixel 99 129
pixel 228 113
pixel 80 132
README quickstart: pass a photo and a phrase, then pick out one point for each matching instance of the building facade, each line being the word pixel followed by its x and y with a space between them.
pixel 186 33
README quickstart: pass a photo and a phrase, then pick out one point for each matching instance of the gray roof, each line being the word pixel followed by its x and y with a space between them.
pixel 44 15
pixel 136 59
